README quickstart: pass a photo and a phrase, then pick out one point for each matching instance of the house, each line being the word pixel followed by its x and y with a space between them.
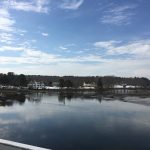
pixel 125 86
pixel 36 85
pixel 1 86
pixel 89 85
pixel 117 86
pixel 133 86
pixel 55 84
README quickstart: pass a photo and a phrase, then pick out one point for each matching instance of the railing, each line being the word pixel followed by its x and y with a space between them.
pixel 19 145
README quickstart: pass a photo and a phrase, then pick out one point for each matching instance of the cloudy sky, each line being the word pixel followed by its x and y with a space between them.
pixel 75 37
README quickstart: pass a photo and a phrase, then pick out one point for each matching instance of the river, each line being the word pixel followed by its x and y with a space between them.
pixel 80 121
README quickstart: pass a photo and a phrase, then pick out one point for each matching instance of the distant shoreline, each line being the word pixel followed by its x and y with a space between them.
pixel 75 90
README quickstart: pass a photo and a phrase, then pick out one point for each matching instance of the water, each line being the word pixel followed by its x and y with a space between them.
pixel 76 121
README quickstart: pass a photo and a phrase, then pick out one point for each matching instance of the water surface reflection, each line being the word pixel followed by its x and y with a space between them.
pixel 76 121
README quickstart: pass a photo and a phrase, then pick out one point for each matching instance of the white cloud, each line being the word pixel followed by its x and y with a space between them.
pixel 26 55
pixel 38 62
pixel 110 67
pixel 33 41
pixel 134 60
pixel 11 48
pixel 39 6
pixel 105 44
pixel 71 4
pixel 6 38
pixel 45 34
pixel 63 48
pixel 6 22
pixel 21 34
pixel 120 15
pixel 138 49
pixel 67 47
pixel 29 55
pixel 71 45
pixel 38 54
pixel 88 58
pixel 8 28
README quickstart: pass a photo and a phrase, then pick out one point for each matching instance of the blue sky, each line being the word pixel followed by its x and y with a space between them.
pixel 75 37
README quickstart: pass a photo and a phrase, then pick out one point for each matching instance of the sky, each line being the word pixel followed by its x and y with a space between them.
pixel 75 37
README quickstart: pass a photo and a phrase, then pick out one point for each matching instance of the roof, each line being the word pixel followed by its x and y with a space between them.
pixel 33 82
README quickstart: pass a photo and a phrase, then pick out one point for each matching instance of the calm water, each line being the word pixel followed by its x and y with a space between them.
pixel 77 122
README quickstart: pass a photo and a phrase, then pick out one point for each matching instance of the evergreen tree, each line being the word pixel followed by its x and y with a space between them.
pixel 99 83
pixel 21 80
pixel 68 83
pixel 61 83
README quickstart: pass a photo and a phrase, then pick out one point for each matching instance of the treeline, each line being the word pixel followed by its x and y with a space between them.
pixel 105 81
pixel 72 81
pixel 13 80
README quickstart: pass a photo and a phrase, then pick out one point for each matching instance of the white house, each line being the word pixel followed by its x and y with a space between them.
pixel 1 86
pixel 55 84
pixel 118 86
pixel 89 85
pixel 126 86
pixel 36 85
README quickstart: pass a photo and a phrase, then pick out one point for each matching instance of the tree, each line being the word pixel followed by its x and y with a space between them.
pixel 10 74
pixel 99 83
pixel 145 82
pixel 11 77
pixel 21 80
pixel 49 83
pixel 4 80
pixel 61 83
pixel 68 83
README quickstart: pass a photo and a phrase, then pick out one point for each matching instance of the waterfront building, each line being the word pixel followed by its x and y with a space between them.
pixel 36 85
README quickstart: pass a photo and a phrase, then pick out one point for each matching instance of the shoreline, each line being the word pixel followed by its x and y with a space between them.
pixel 76 89
pixel 114 91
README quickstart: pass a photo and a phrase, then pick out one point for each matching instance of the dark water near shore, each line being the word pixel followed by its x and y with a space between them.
pixel 76 121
